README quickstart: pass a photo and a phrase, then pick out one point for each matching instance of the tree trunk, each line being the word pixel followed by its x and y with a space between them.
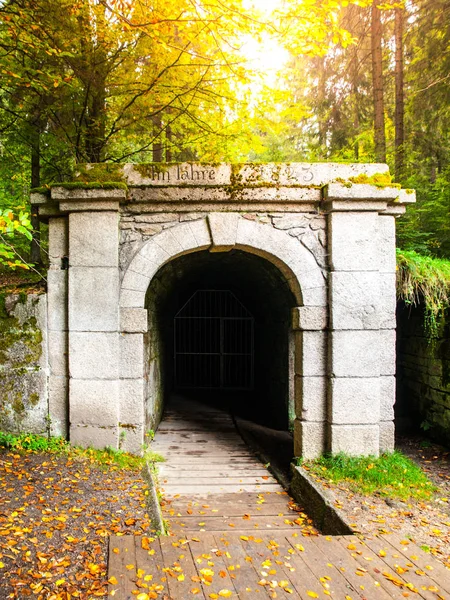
pixel 169 156
pixel 377 84
pixel 35 246
pixel 321 102
pixel 157 145
pixel 399 96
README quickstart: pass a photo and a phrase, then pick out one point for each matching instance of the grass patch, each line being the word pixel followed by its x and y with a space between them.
pixel 391 475
pixel 109 457
pixel 422 279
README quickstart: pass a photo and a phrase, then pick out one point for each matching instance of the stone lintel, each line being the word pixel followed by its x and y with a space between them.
pixel 91 206
pixel 38 198
pixel 63 194
pixel 360 191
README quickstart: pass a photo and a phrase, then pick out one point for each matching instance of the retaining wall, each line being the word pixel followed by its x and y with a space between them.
pixel 23 363
pixel 423 375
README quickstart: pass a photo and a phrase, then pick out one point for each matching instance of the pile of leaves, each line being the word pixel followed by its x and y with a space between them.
pixel 57 510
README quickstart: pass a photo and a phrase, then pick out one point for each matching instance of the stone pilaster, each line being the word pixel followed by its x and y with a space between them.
pixel 309 326
pixel 57 278
pixel 362 316
pixel 93 314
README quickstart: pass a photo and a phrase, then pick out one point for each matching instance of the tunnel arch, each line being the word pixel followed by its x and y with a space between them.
pixel 222 232
pixel 300 274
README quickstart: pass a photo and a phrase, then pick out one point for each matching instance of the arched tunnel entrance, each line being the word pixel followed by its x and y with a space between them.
pixel 219 333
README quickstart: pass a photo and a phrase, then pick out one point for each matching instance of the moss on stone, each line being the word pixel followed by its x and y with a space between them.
pixel 380 180
pixel 99 173
pixel 93 185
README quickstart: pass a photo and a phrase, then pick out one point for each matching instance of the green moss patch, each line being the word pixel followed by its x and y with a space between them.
pixel 93 185
pixel 423 279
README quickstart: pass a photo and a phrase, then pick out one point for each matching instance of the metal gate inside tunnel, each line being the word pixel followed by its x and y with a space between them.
pixel 214 343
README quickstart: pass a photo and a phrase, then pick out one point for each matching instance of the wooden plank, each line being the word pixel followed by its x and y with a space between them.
pixel 351 569
pixel 255 524
pixel 238 512
pixel 204 490
pixel 322 567
pixel 247 577
pixel 398 563
pixel 287 566
pixel 207 555
pixel 218 471
pixel 374 564
pixel 216 480
pixel 121 554
pixel 150 561
pixel 423 561
pixel 180 568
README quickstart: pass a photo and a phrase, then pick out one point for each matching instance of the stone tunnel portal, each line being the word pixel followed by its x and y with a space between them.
pixel 221 335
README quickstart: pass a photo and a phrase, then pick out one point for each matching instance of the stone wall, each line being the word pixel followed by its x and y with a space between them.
pixel 137 228
pixel 423 375
pixel 23 363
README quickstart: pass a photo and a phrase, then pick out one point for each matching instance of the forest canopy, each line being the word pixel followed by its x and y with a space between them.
pixel 173 80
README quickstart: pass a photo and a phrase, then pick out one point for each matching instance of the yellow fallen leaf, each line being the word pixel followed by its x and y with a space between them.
pixel 112 580
pixel 213 596
pixel 312 594
pixel 382 553
pixel 60 581
pixel 180 577
pixel 225 593
pixel 142 596
pixel 2 565
pixel 129 567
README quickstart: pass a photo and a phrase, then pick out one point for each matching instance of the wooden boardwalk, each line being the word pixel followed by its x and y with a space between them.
pixel 239 535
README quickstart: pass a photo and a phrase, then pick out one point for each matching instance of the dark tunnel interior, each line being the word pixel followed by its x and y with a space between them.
pixel 223 328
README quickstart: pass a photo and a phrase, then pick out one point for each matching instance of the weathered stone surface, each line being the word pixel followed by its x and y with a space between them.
pixel 304 174
pixel 355 400
pixel 355 353
pixel 57 300
pixel 309 439
pixel 133 320
pixel 93 355
pixel 387 300
pixel 386 244
pixel 58 342
pixel 387 351
pixel 310 318
pixel 360 191
pixel 387 436
pixel 311 398
pixel 94 196
pixel 58 243
pixel 387 398
pixel 301 221
pixel 132 401
pixel 93 299
pixel 94 239
pixel 94 402
pixel 135 281
pixel 23 363
pixel 355 440
pixel 354 300
pixel 131 355
pixel 131 439
pixel 223 227
pixel 353 241
pixel 97 437
pixel 310 353
pixel 58 405
pixel 177 175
